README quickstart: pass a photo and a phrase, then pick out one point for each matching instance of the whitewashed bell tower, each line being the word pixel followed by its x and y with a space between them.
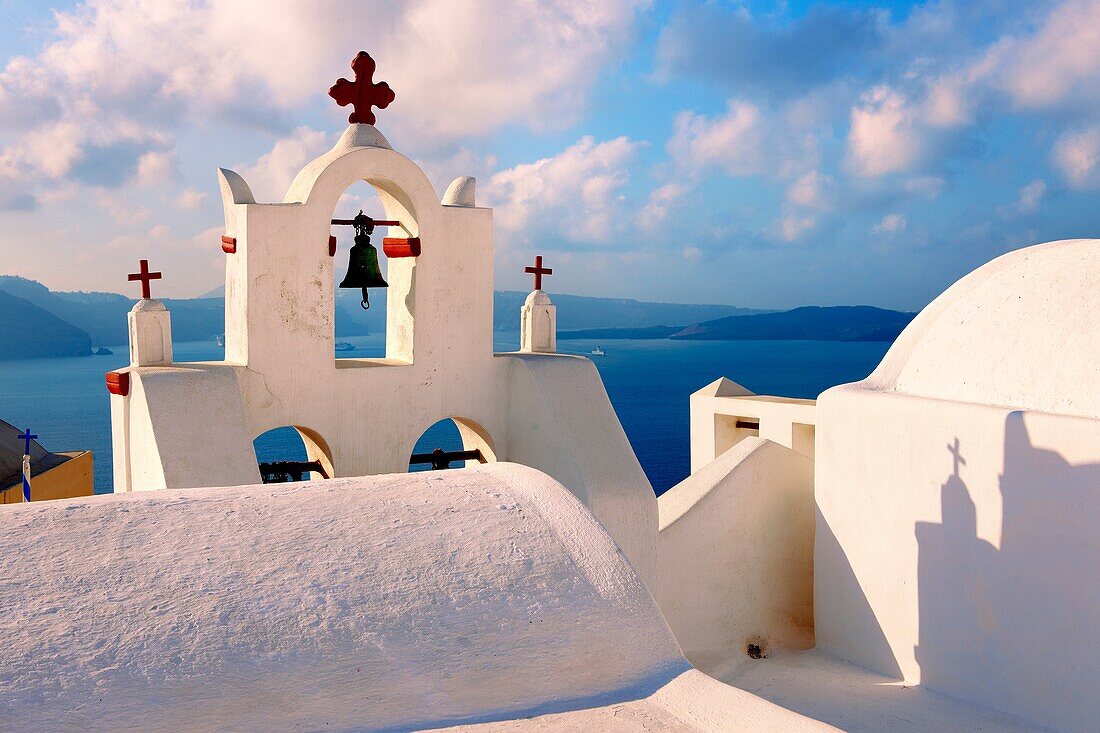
pixel 183 425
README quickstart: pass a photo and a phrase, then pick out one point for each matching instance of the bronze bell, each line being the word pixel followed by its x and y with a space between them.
pixel 363 270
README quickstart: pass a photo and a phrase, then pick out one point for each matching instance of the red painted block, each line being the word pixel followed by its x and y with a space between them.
pixel 118 383
pixel 401 247
pixel 229 245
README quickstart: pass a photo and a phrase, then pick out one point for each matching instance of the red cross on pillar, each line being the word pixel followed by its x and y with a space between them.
pixel 362 93
pixel 538 271
pixel 144 276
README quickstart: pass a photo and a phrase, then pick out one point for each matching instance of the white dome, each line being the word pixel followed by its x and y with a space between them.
pixel 537 297
pixel 148 304
pixel 1020 331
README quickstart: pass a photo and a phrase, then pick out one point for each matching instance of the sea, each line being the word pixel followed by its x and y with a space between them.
pixel 65 402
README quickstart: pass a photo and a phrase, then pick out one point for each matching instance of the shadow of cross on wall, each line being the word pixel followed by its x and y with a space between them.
pixel 1010 610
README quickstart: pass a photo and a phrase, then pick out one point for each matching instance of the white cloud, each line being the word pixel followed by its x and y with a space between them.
pixel 442 169
pixel 121 209
pixel 156 167
pixel 927 186
pixel 1057 62
pixel 949 102
pixel 459 67
pixel 808 190
pixel 1077 155
pixel 50 149
pixel 534 63
pixel 659 204
pixel 793 227
pixel 732 142
pixel 191 199
pixel 270 177
pixel 890 225
pixel 882 138
pixel 576 192
pixel 1030 196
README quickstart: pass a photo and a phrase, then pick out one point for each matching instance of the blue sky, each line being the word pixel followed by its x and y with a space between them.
pixel 751 153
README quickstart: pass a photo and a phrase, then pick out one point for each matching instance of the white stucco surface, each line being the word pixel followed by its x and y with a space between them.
pixel 735 554
pixel 150 327
pixel 956 489
pixel 721 412
pixel 384 603
pixel 856 699
pixel 461 192
pixel 690 702
pixel 192 425
pixel 1019 331
pixel 538 331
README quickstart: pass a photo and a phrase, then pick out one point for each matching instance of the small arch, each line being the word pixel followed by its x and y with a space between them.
pixel 358 333
pixel 381 200
pixel 452 435
pixel 292 453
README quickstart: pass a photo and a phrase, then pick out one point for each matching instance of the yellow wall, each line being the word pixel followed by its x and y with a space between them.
pixel 71 478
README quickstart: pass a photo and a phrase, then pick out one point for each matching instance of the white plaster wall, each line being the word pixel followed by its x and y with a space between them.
pixel 538 324
pixel 980 584
pixel 735 554
pixel 150 327
pixel 192 424
pixel 976 578
pixel 1019 331
pixel 561 421
pixel 411 601
pixel 188 424
pixel 716 409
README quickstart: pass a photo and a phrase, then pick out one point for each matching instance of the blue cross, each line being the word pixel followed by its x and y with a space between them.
pixel 27 437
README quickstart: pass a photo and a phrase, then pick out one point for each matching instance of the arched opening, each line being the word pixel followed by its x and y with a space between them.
pixel 359 333
pixel 453 442
pixel 292 453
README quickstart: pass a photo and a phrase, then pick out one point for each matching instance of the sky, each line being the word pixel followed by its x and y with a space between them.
pixel 761 154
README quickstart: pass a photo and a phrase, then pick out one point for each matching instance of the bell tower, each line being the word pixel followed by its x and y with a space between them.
pixel 188 425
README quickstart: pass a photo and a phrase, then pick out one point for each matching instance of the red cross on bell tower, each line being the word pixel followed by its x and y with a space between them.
pixel 538 271
pixel 144 276
pixel 363 93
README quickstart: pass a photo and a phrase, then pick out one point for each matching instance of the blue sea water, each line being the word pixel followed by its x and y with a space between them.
pixel 66 403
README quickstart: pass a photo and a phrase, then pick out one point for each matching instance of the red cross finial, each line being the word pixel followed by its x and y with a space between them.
pixel 538 271
pixel 362 93
pixel 145 276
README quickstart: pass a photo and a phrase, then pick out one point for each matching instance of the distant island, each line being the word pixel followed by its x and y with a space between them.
pixel 27 332
pixel 38 322
pixel 808 323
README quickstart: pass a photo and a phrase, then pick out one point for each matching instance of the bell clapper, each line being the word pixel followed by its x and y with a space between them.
pixel 365 302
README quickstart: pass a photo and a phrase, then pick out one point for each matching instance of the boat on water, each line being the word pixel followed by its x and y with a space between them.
pixel 597 352
pixel 103 351
pixel 344 346
pixel 220 339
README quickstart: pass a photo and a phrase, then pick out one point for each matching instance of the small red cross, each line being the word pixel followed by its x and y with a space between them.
pixel 362 93
pixel 538 271
pixel 145 276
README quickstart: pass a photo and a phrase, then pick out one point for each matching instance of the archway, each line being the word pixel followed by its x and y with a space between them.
pixel 292 453
pixel 453 442
pixel 359 333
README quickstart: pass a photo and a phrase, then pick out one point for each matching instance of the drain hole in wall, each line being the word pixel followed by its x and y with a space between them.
pixel 756 647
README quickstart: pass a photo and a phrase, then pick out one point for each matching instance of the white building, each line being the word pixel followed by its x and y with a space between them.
pixel 917 551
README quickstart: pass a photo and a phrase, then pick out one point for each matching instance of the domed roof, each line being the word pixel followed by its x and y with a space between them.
pixel 537 297
pixel 1021 331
